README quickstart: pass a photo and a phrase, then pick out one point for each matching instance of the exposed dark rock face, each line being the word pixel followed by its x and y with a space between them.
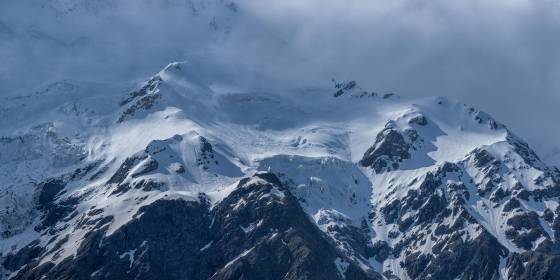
pixel 125 168
pixel 511 204
pixel 381 250
pixel 206 156
pixel 420 120
pixel 351 88
pixel 353 241
pixel 258 232
pixel 424 200
pixel 526 229
pixel 143 103
pixel 142 99
pixel 483 158
pixel 389 150
pixel 477 259
pixel 343 87
pixel 24 256
pixel 57 212
pixel 150 87
pixel 160 243
pixel 48 191
pixel 523 149
pixel 556 225
pixel 540 264
pixel 147 167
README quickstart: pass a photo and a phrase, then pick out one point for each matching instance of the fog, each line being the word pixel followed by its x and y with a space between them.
pixel 500 56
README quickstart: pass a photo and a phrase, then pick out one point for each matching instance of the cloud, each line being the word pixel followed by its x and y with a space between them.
pixel 499 55
pixel 101 39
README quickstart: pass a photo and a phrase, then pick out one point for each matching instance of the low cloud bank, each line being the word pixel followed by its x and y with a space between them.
pixel 501 56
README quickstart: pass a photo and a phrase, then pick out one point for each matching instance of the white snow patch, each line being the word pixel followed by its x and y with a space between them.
pixel 341 266
pixel 206 246
pixel 130 255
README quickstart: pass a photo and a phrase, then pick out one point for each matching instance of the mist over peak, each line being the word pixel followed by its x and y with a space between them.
pixel 498 55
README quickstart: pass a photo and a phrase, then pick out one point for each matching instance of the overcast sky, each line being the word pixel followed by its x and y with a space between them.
pixel 502 56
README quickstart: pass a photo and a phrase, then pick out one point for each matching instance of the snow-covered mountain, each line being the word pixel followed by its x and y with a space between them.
pixel 197 173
